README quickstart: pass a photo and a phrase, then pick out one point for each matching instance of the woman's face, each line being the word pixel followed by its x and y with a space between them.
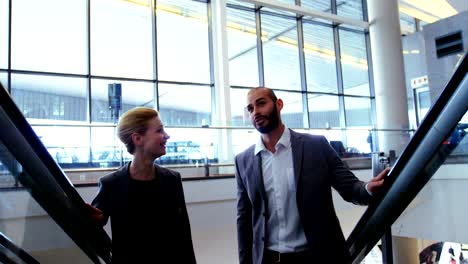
pixel 153 141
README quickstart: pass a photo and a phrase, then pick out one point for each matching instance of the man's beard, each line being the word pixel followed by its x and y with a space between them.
pixel 273 122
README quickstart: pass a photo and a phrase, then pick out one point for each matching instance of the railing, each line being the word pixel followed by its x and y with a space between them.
pixel 46 182
pixel 424 154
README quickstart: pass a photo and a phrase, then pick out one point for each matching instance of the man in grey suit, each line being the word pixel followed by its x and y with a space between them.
pixel 285 211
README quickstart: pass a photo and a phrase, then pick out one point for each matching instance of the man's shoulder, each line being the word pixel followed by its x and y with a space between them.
pixel 248 152
pixel 306 136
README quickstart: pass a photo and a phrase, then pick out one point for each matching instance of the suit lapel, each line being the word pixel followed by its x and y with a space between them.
pixel 297 154
pixel 257 175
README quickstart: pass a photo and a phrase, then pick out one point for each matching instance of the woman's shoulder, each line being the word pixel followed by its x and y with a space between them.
pixel 168 173
pixel 115 176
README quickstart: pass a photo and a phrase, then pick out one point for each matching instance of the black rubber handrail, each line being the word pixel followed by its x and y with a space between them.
pixel 16 250
pixel 47 183
pixel 424 154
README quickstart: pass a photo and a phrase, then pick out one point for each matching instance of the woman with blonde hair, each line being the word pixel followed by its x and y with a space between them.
pixel 144 201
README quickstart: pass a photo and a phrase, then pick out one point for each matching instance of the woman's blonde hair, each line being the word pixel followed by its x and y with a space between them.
pixel 134 121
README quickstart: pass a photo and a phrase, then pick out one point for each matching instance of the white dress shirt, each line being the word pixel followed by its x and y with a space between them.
pixel 284 232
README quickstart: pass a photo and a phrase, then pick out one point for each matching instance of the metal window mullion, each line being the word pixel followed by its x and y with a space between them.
pixel 211 60
pixel 10 7
pixel 261 70
pixel 371 79
pixel 155 53
pixel 340 82
pixel 88 77
pixel 300 45
pixel 365 16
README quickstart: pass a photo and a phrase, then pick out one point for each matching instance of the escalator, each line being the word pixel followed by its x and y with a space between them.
pixel 26 162
pixel 437 137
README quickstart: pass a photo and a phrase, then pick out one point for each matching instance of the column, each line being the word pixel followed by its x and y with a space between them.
pixel 221 82
pixel 389 76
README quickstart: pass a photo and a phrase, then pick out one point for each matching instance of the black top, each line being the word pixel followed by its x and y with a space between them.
pixel 149 219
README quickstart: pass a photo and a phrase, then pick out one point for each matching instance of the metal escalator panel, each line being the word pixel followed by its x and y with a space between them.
pixel 426 152
pixel 46 194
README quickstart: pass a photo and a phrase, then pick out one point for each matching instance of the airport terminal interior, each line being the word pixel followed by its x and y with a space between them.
pixel 385 82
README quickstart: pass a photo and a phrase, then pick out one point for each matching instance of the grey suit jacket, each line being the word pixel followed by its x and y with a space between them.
pixel 317 169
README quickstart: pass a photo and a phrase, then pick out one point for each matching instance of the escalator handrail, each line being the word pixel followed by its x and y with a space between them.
pixel 19 252
pixel 430 130
pixel 48 184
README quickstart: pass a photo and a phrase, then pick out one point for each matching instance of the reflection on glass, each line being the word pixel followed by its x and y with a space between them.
pixel 49 35
pixel 104 97
pixel 320 58
pixel 68 145
pixel 182 41
pixel 185 105
pixel 358 112
pixel 50 97
pixel 240 3
pixel 4 33
pixel 323 111
pixel 320 5
pixel 242 47
pixel 280 53
pixel 359 142
pixel 106 148
pixel 350 8
pixel 354 63
pixel 191 146
pixel 121 39
pixel 293 112
pixel 459 139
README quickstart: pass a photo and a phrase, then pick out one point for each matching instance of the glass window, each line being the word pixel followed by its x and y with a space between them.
pixel 67 145
pixel 50 97
pixel 49 35
pixel 354 63
pixel 320 58
pixel 191 146
pixel 4 79
pixel 243 138
pixel 4 33
pixel 358 112
pixel 185 105
pixel 106 148
pixel 350 8
pixel 121 39
pixel 293 112
pixel 108 103
pixel 182 41
pixel 280 53
pixel 324 111
pixel 358 142
pixel 239 3
pixel 240 116
pixel 242 47
pixel 320 5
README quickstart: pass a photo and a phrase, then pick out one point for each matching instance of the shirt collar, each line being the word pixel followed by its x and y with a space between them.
pixel 285 141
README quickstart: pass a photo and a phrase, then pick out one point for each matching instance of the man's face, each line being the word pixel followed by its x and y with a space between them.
pixel 263 112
